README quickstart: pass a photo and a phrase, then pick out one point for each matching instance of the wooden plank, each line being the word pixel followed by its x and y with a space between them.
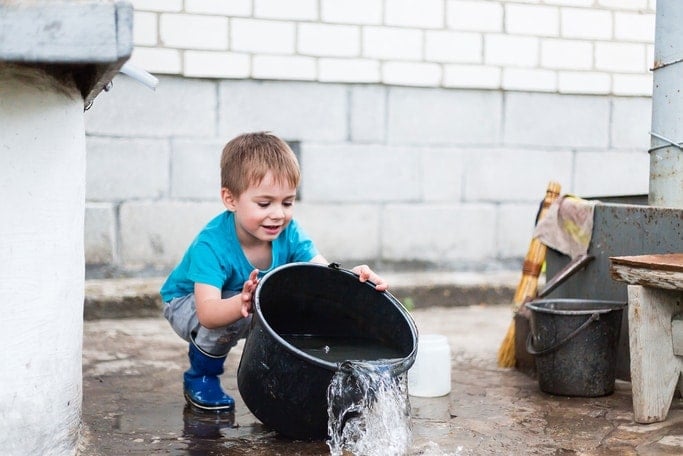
pixel 668 280
pixel 665 262
pixel 655 370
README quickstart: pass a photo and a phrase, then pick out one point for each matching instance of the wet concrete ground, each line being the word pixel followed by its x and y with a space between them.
pixel 133 404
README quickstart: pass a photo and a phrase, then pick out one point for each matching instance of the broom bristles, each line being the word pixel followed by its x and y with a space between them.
pixel 506 352
pixel 528 285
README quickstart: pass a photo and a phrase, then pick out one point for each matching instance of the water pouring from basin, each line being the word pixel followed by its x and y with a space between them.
pixel 368 410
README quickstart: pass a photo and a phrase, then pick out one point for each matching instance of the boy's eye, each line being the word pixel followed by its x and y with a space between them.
pixel 265 204
pixel 288 203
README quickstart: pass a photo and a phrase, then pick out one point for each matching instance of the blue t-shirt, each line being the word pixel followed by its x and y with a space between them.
pixel 216 258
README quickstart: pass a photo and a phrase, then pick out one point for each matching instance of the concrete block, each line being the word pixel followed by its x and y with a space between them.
pixel 514 228
pixel 624 4
pixel 439 233
pixel 442 173
pixel 392 43
pixel 157 60
pixel 100 233
pixel 64 32
pixel 145 32
pixel 210 64
pixel 567 54
pixel 584 82
pixel 343 233
pixel 556 120
pixel 358 173
pixel 514 175
pixel 530 79
pixel 302 10
pixel 471 76
pixel 631 118
pixel 534 20
pixel 348 70
pixel 634 27
pixel 178 107
pixel 157 5
pixel 447 46
pixel 368 113
pixel 570 2
pixel 121 169
pixel 411 74
pixel 511 50
pixel 259 36
pixel 414 13
pixel 586 23
pixel 629 173
pixel 193 31
pixel 196 173
pixel 156 234
pixel 474 15
pixel 231 9
pixel 620 57
pixel 284 67
pixel 447 116
pixel 351 11
pixel 632 84
pixel 328 40
pixel 294 111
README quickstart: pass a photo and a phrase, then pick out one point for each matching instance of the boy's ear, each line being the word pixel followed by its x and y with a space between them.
pixel 228 199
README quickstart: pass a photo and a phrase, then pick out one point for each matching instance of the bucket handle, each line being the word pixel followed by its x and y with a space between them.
pixel 532 350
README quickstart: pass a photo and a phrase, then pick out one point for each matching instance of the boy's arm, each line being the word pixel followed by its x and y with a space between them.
pixel 215 312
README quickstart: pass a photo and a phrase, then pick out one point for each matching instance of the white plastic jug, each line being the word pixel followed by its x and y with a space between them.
pixel 430 376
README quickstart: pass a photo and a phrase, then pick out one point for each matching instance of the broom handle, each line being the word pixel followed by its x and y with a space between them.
pixel 533 261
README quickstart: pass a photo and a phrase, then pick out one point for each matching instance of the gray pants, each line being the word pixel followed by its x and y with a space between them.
pixel 181 313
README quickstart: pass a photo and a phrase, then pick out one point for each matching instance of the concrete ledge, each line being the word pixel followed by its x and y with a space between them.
pixel 88 39
pixel 139 297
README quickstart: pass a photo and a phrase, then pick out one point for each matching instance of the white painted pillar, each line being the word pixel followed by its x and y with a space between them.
pixel 42 203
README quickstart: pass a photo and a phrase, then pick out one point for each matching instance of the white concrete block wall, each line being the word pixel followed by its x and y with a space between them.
pixel 439 233
pixel 451 116
pixel 343 232
pixel 427 130
pixel 101 223
pixel 138 168
pixel 610 37
pixel 157 233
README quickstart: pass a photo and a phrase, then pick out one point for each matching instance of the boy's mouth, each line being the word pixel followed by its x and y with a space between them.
pixel 271 229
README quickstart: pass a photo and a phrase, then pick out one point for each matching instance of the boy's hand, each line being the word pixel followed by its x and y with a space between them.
pixel 365 273
pixel 248 292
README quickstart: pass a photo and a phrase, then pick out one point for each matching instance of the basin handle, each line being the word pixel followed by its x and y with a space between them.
pixel 532 351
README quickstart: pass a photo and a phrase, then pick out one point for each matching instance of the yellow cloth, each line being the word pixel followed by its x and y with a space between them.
pixel 567 226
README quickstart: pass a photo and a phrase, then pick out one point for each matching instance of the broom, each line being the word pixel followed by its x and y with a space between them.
pixel 528 284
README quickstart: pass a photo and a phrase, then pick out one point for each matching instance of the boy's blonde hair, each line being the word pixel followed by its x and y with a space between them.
pixel 247 158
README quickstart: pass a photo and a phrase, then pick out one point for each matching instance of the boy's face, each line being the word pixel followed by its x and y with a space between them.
pixel 262 211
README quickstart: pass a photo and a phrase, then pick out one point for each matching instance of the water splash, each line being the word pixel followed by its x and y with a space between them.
pixel 368 410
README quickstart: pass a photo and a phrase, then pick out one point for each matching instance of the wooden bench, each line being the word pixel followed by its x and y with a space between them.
pixel 655 321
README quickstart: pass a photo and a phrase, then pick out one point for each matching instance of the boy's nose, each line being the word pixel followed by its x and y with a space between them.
pixel 278 212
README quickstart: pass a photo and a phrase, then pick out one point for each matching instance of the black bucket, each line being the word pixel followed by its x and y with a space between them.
pixel 575 345
pixel 284 386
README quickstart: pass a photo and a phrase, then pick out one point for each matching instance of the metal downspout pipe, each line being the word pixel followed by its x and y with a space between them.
pixel 666 144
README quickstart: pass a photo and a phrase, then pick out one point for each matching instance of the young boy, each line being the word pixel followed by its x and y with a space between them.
pixel 208 295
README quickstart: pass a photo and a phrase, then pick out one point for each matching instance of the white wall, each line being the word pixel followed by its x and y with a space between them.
pixel 41 272
pixel 428 130
pixel 563 46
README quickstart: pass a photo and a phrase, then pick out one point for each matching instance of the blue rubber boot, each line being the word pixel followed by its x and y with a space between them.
pixel 201 385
